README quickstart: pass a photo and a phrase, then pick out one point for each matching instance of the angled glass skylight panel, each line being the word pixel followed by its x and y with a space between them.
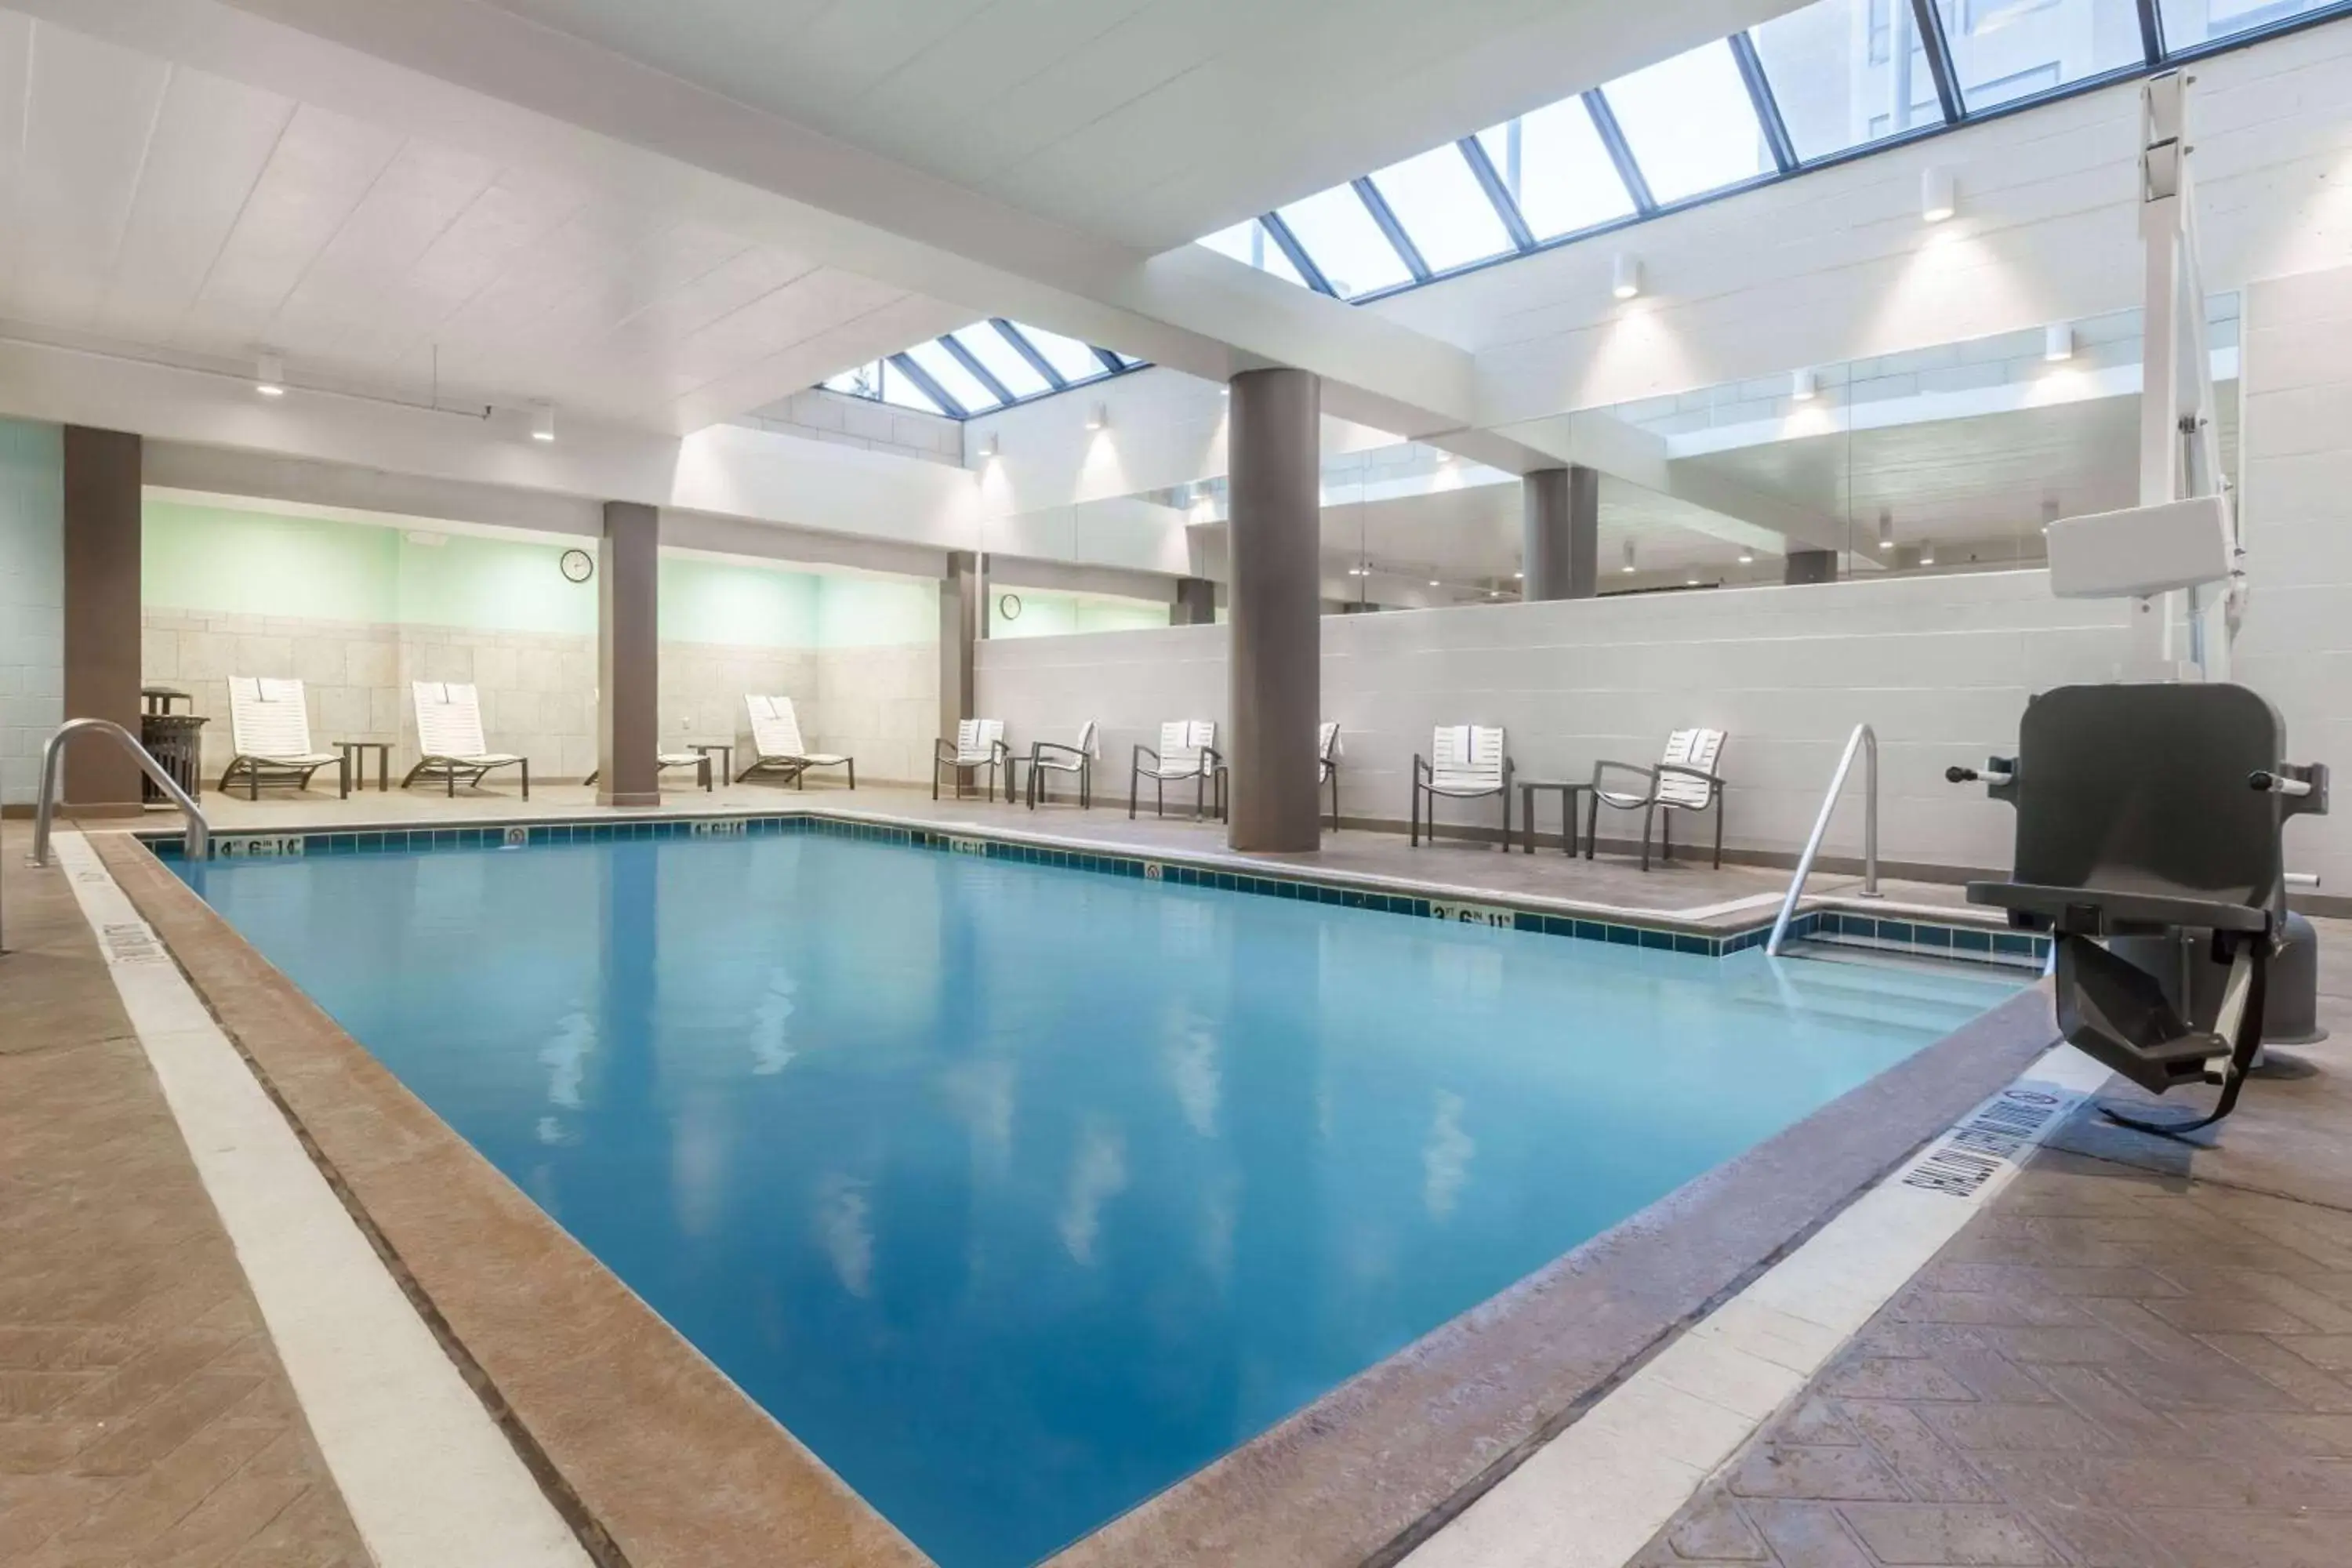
pixel 1337 231
pixel 896 389
pixel 1690 123
pixel 1072 359
pixel 2189 23
pixel 1554 165
pixel 2003 50
pixel 859 380
pixel 1443 209
pixel 954 380
pixel 1249 242
pixel 1847 72
pixel 1005 362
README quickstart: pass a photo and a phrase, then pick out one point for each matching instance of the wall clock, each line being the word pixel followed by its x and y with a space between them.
pixel 1009 607
pixel 578 565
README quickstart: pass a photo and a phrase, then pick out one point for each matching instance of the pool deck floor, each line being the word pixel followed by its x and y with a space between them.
pixel 2138 1356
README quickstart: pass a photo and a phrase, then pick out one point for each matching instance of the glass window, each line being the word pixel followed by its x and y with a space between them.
pixel 2003 50
pixel 898 389
pixel 1250 242
pixel 859 380
pixel 1845 72
pixel 1553 163
pixel 2187 22
pixel 1073 359
pixel 992 349
pixel 1691 123
pixel 1443 209
pixel 1337 231
pixel 954 380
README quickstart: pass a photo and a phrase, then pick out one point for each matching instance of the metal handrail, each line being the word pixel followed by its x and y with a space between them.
pixel 200 832
pixel 1865 740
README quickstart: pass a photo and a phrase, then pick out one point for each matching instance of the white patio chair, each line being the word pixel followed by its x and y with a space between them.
pixel 269 725
pixel 1327 763
pixel 979 743
pixel 1465 761
pixel 1187 750
pixel 449 738
pixel 1053 757
pixel 777 746
pixel 1685 780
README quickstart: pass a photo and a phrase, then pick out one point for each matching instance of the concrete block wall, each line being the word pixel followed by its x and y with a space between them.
pixel 1940 666
pixel 32 602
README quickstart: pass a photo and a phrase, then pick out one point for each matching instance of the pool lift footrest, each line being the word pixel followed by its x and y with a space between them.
pixel 2117 1015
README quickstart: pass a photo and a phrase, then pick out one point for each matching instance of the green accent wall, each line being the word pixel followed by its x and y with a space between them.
pixel 1046 614
pixel 492 585
pixel 872 612
pixel 260 563
pixel 744 606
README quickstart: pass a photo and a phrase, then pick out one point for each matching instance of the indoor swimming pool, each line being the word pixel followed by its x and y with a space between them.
pixel 1020 1192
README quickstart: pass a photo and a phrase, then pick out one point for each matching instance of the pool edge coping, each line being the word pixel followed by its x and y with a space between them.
pixel 1236 1492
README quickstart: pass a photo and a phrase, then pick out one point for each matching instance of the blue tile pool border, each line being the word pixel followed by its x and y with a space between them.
pixel 1909 936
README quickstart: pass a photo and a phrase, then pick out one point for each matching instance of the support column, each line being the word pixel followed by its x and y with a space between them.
pixel 1562 558
pixel 101 618
pixel 1273 604
pixel 1810 567
pixel 1196 603
pixel 964 621
pixel 628 654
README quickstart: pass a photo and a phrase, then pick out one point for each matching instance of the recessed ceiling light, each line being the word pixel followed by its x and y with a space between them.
pixel 270 374
pixel 1692 582
pixel 1746 559
pixel 1518 576
pixel 1436 584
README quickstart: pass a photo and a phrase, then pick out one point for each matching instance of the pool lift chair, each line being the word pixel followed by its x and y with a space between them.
pixel 2155 811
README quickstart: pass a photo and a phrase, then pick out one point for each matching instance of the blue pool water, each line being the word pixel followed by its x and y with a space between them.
pixel 1020 1192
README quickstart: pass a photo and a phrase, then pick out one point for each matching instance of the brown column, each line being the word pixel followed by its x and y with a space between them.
pixel 102 631
pixel 963 619
pixel 1273 610
pixel 1196 603
pixel 1560 558
pixel 628 657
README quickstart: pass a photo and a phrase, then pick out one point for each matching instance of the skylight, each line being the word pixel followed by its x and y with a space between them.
pixel 980 368
pixel 1809 87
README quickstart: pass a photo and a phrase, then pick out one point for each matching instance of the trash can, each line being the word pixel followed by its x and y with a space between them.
pixel 174 740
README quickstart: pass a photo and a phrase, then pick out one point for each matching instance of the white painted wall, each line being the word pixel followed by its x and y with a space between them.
pixel 32 602
pixel 1940 666
pixel 2296 649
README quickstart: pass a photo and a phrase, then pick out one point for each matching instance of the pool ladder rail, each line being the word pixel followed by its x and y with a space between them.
pixel 1864 740
pixel 53 778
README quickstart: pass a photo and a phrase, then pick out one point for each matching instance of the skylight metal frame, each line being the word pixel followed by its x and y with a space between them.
pixel 952 407
pixel 1927 18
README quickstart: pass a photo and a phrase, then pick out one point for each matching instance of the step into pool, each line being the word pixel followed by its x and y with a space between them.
pixel 1020 1192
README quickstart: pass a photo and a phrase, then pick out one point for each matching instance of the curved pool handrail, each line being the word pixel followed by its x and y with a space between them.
pixel 200 831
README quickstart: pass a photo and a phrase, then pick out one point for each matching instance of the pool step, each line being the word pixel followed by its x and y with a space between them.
pixel 1869 951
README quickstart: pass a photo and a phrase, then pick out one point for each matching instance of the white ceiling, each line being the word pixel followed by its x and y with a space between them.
pixel 1147 121
pixel 146 203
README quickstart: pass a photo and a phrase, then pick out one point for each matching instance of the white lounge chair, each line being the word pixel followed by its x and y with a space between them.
pixel 1465 761
pixel 269 725
pixel 777 746
pixel 449 738
pixel 979 743
pixel 1053 757
pixel 1683 780
pixel 665 761
pixel 1327 763
pixel 1187 750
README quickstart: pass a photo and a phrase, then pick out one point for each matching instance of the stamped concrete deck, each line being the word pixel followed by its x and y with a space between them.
pixel 2140 1356
pixel 144 1417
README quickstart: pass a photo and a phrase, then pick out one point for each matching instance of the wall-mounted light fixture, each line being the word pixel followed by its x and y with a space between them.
pixel 1746 559
pixel 1098 417
pixel 543 422
pixel 989 446
pixel 1625 275
pixel 1803 385
pixel 2058 342
pixel 269 374
pixel 1927 554
pixel 1940 194
pixel 1629 555
pixel 1885 531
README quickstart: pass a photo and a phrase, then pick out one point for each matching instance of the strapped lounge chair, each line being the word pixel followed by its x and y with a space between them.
pixel 1467 761
pixel 1187 750
pixel 449 738
pixel 1053 757
pixel 777 746
pixel 979 743
pixel 1683 780
pixel 269 724
pixel 1327 763
pixel 665 761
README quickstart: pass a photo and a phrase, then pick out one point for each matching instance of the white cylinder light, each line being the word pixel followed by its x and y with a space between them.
pixel 2058 342
pixel 1940 194
pixel 1802 385
pixel 1625 276
pixel 1098 417
pixel 543 422
pixel 1629 555
pixel 988 444
pixel 1885 531
pixel 269 374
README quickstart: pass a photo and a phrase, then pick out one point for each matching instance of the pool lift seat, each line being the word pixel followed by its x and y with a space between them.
pixel 2151 810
